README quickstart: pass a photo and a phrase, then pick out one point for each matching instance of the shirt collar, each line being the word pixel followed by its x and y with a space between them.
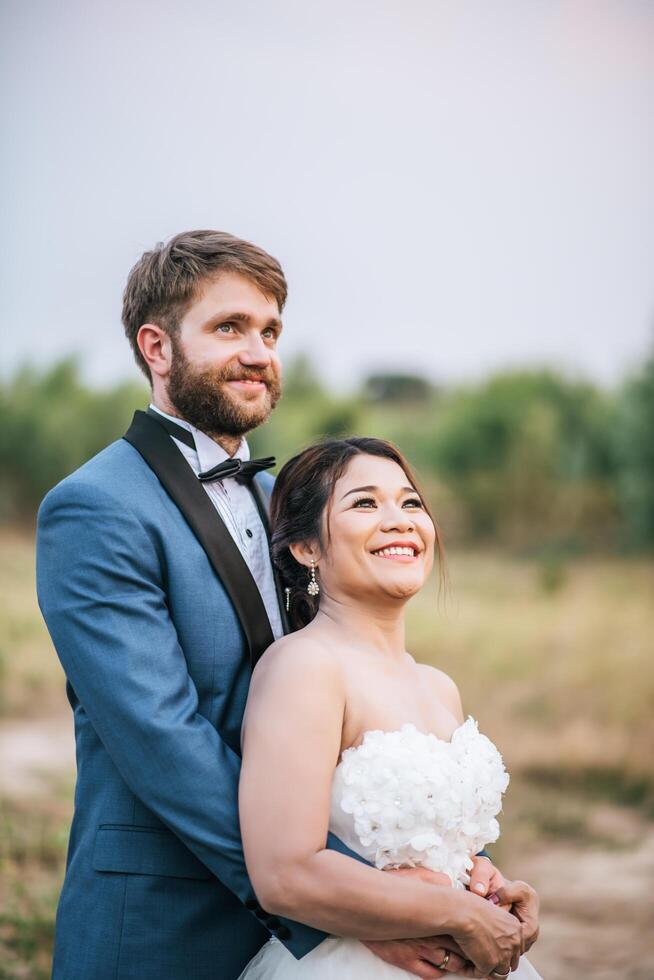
pixel 207 452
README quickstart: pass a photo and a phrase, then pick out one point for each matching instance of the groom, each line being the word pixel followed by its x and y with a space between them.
pixel 155 582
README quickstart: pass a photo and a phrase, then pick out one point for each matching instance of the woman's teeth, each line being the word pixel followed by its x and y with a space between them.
pixel 386 552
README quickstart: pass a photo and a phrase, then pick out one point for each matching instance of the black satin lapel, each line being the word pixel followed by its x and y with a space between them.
pixel 262 500
pixel 162 455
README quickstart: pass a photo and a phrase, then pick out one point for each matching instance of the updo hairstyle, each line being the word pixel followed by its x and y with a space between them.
pixel 302 491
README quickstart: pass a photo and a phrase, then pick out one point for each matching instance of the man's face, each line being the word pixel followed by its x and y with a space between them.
pixel 225 375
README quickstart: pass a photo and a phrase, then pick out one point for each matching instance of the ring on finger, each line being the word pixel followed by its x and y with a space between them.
pixel 446 960
pixel 501 976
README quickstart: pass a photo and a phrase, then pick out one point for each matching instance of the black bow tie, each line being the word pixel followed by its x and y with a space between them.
pixel 239 469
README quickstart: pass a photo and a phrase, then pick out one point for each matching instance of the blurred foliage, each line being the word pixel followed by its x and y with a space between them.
pixel 531 459
pixel 397 388
pixel 52 423
pixel 33 838
pixel 634 452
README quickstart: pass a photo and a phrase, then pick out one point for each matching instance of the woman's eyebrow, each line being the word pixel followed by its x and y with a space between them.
pixel 374 490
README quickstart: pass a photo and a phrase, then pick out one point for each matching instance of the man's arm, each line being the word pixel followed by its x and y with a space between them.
pixel 100 589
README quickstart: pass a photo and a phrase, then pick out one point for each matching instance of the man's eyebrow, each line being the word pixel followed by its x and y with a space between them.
pixel 374 490
pixel 241 317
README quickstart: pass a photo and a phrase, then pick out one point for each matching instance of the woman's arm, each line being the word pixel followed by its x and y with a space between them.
pixel 291 746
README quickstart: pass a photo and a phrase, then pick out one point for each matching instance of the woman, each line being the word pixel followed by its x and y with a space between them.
pixel 345 732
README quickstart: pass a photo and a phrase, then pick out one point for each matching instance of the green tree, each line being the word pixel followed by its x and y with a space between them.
pixel 52 423
pixel 634 447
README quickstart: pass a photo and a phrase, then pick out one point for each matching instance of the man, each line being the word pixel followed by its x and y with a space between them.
pixel 155 581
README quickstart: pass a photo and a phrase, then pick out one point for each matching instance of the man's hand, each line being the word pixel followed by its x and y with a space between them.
pixel 420 956
pixel 490 937
pixel 524 906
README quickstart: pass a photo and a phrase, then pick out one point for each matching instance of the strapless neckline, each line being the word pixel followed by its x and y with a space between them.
pixel 408 726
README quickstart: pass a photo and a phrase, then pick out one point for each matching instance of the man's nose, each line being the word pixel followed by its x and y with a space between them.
pixel 254 352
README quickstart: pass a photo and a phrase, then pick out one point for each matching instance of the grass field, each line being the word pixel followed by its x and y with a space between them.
pixel 554 661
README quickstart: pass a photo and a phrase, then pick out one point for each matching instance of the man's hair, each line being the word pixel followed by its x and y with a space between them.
pixel 165 281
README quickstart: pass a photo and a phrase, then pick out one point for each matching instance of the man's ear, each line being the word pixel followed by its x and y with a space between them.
pixel 304 551
pixel 156 348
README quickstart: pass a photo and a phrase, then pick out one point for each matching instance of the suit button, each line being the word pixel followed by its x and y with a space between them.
pixel 283 932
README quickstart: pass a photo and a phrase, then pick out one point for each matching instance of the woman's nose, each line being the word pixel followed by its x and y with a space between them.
pixel 397 519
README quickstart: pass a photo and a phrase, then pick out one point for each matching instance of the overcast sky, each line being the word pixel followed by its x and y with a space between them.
pixel 451 186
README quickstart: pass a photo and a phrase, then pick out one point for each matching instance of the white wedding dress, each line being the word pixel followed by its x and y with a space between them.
pixel 403 798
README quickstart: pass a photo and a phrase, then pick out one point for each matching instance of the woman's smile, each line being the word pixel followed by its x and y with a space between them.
pixel 398 552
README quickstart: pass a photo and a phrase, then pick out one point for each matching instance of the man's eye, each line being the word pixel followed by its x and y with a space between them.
pixel 365 500
pixel 225 327
pixel 269 333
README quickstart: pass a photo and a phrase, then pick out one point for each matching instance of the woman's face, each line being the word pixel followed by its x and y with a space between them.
pixel 382 538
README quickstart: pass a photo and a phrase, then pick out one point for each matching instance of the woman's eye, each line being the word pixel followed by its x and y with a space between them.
pixel 412 502
pixel 364 500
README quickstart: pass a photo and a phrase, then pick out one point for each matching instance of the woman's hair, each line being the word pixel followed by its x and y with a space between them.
pixel 302 492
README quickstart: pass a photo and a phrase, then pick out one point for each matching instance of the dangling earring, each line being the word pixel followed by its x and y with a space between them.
pixel 313 588
pixel 288 599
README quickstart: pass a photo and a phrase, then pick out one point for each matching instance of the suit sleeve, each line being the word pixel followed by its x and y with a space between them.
pixel 100 581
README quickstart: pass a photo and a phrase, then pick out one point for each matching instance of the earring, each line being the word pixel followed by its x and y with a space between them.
pixel 288 599
pixel 313 588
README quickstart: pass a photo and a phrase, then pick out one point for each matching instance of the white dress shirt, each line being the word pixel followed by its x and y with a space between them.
pixel 238 510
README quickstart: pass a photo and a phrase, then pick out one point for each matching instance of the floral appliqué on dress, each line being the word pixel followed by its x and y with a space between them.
pixel 417 799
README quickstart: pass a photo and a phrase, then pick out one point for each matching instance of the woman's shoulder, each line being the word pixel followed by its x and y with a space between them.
pixel 302 654
pixel 443 687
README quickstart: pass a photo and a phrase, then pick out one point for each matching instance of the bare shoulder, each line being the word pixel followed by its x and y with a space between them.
pixel 297 686
pixel 444 688
pixel 298 657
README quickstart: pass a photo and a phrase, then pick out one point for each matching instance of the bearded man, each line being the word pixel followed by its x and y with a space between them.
pixel 155 581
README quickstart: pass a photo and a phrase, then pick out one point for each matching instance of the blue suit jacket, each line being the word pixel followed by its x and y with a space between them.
pixel 147 608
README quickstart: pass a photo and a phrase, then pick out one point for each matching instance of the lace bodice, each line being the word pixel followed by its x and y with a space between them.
pixel 407 798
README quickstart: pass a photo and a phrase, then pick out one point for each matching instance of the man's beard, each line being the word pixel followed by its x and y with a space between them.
pixel 201 398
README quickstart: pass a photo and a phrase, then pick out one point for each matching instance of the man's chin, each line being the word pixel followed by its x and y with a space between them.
pixel 244 417
pixel 254 405
pixel 220 408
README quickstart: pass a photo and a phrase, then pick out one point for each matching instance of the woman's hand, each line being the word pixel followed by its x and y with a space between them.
pixel 486 879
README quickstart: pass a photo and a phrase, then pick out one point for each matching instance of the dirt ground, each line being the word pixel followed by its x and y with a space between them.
pixel 597 904
pixel 597 908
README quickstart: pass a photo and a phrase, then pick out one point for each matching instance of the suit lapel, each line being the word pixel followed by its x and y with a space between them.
pixel 177 478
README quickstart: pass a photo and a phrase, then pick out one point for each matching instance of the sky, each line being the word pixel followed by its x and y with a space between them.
pixel 452 186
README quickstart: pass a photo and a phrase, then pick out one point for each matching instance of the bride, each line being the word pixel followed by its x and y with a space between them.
pixel 345 732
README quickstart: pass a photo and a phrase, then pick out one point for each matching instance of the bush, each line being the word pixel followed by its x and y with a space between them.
pixel 634 449
pixel 52 423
